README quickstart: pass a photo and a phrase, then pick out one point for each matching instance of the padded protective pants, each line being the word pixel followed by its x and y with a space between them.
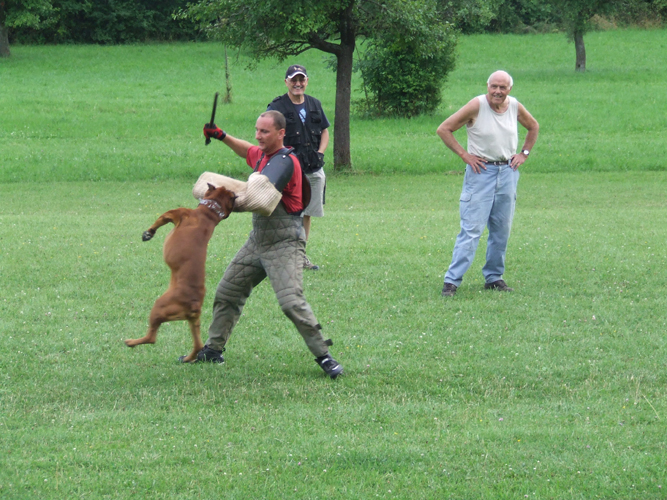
pixel 275 248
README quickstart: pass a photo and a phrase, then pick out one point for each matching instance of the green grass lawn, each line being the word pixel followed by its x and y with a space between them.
pixel 554 391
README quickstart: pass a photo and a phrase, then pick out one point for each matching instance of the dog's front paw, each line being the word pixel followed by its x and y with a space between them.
pixel 147 235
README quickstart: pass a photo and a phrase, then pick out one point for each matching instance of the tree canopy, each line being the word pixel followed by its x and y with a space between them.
pixel 92 21
pixel 405 67
pixel 273 28
pixel 17 13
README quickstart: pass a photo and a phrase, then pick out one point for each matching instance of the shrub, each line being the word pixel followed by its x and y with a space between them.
pixel 405 69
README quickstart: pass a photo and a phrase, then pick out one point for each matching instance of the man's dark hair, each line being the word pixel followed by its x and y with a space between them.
pixel 277 117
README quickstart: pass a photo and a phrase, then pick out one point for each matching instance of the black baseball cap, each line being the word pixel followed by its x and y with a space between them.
pixel 294 70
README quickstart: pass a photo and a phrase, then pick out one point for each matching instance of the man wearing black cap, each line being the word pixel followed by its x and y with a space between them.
pixel 307 132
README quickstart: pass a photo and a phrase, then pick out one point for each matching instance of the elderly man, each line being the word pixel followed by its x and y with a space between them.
pixel 492 173
pixel 307 132
pixel 275 247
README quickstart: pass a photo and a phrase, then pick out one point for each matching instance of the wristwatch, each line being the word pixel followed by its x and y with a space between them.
pixel 526 152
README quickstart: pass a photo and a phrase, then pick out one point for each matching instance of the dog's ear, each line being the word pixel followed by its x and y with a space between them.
pixel 211 187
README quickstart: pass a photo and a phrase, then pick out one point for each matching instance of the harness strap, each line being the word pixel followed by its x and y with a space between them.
pixel 278 175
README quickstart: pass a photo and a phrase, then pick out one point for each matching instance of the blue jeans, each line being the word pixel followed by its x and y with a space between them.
pixel 487 199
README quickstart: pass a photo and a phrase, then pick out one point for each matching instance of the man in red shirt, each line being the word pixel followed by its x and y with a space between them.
pixel 275 248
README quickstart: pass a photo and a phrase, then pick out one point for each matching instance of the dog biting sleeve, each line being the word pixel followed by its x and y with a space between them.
pixel 258 195
pixel 201 186
pixel 261 195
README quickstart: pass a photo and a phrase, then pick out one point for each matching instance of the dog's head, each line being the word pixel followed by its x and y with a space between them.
pixel 224 197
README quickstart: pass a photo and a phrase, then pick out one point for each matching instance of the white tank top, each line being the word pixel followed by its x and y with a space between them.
pixel 494 136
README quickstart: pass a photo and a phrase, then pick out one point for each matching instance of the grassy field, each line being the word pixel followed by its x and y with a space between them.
pixel 136 112
pixel 555 391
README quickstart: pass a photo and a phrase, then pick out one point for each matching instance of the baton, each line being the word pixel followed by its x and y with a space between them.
pixel 215 105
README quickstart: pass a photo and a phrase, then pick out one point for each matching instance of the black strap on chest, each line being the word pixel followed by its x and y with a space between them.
pixel 280 168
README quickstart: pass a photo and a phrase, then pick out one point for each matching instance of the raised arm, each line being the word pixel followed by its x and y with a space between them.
pixel 239 146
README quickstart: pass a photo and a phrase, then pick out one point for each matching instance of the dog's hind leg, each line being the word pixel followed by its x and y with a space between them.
pixel 149 338
pixel 163 311
pixel 197 344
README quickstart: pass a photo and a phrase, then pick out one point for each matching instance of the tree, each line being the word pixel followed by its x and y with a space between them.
pixel 274 28
pixel 4 35
pixel 109 22
pixel 576 20
pixel 469 16
pixel 405 68
pixel 17 13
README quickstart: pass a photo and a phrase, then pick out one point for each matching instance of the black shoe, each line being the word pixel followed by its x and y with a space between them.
pixel 307 264
pixel 449 290
pixel 329 365
pixel 499 285
pixel 207 355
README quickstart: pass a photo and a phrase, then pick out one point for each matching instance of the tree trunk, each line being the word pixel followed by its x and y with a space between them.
pixel 581 51
pixel 228 82
pixel 4 34
pixel 341 139
pixel 345 57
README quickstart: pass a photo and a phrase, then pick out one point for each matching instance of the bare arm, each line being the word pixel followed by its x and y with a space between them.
pixel 239 146
pixel 533 128
pixel 464 116
pixel 324 141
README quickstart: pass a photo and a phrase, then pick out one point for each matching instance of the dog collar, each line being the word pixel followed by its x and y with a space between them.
pixel 215 207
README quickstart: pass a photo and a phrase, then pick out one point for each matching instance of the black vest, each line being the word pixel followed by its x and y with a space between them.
pixel 304 138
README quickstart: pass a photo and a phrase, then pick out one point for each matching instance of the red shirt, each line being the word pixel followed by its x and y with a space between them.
pixel 292 192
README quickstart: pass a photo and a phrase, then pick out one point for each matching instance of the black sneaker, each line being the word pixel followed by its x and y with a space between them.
pixel 449 290
pixel 207 355
pixel 329 365
pixel 307 264
pixel 499 285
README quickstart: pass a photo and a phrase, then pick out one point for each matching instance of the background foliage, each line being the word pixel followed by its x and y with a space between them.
pixel 405 67
pixel 107 22
pixel 137 111
pixel 536 16
pixel 121 21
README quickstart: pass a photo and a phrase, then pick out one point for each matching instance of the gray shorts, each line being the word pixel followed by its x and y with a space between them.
pixel 317 184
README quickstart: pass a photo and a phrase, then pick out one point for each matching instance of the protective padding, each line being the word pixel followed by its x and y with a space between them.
pixel 279 170
pixel 275 249
pixel 258 195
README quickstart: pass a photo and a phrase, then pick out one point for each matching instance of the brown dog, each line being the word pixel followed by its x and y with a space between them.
pixel 185 253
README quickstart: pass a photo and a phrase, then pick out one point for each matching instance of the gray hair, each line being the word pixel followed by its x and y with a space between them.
pixel 501 71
